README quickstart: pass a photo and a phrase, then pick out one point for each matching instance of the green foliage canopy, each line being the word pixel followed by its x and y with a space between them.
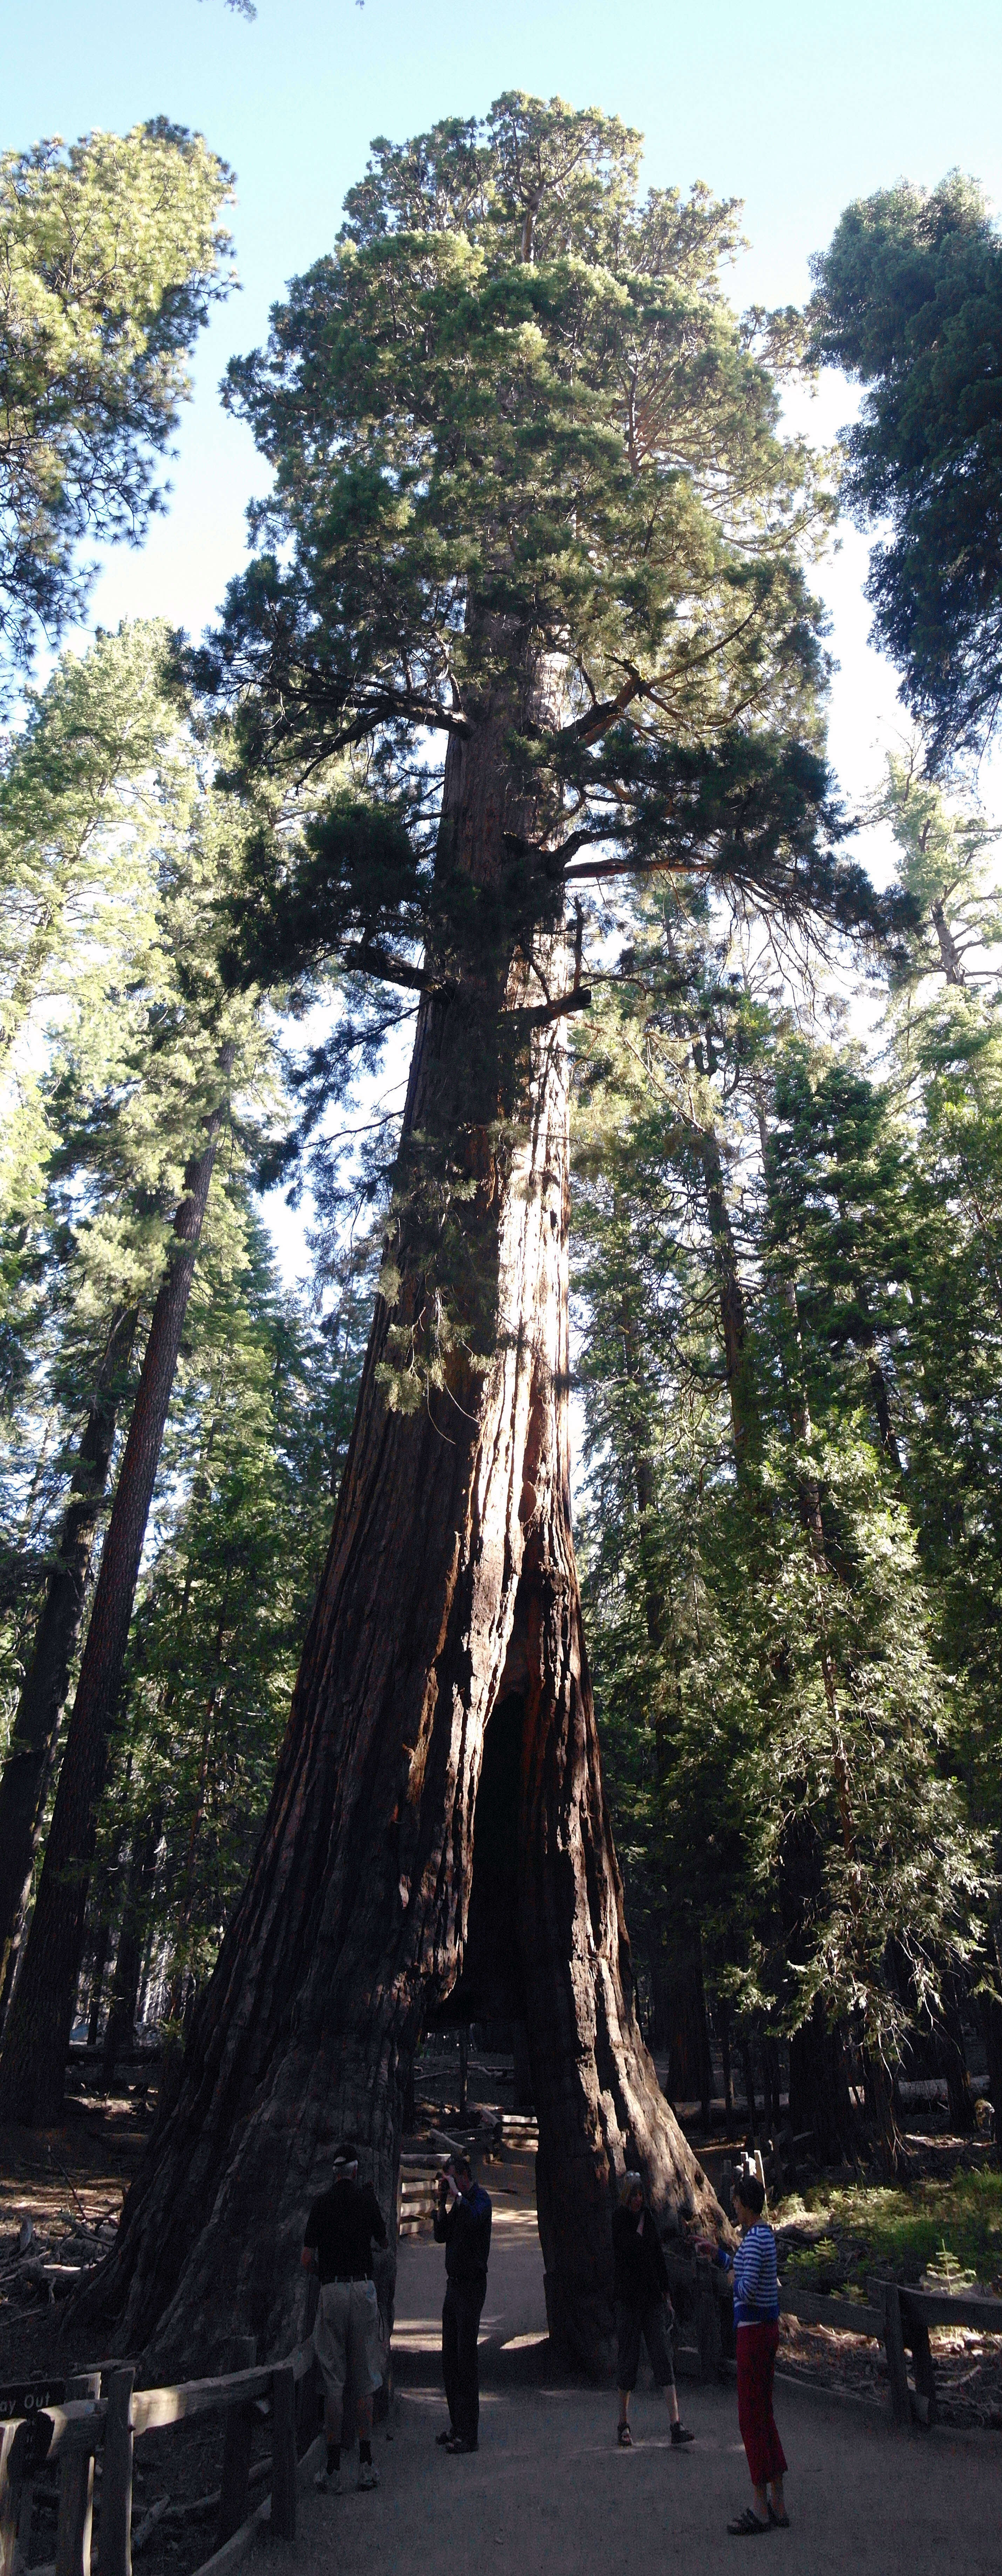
pixel 512 415
pixel 909 302
pixel 110 255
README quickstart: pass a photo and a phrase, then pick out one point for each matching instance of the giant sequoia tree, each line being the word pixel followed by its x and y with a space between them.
pixel 530 504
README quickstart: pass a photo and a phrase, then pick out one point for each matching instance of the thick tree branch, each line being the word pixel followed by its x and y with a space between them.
pixel 537 1014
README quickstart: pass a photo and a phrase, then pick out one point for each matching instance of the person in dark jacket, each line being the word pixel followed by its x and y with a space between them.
pixel 342 2227
pixel 643 2307
pixel 463 2225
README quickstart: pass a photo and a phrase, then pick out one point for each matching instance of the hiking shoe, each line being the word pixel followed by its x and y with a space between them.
pixel 367 2475
pixel 327 2481
pixel 680 2433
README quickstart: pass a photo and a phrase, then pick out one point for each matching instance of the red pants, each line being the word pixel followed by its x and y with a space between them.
pixel 757 2423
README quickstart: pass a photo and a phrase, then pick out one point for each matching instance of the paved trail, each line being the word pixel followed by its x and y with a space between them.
pixel 549 2494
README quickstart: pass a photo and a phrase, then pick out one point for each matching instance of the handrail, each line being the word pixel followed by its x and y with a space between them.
pixel 113 2423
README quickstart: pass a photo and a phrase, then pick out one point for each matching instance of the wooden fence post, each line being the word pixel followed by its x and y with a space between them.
pixel 10 2497
pixel 925 2377
pixel 307 2412
pixel 76 2509
pixel 894 2346
pixel 114 2545
pixel 236 2448
pixel 283 2452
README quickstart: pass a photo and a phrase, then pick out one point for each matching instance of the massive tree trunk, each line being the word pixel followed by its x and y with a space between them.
pixel 449 1602
pixel 35 1737
pixel 40 2017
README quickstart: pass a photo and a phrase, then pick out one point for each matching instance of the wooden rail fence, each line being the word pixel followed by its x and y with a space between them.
pixel 105 2420
pixel 899 2319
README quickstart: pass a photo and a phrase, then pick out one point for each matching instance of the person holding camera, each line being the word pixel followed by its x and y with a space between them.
pixel 756 2319
pixel 462 2224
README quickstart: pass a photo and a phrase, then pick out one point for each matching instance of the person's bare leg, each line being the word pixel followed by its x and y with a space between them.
pixel 671 2393
pixel 778 2505
pixel 365 2419
pixel 332 2420
pixel 624 2406
pixel 760 2503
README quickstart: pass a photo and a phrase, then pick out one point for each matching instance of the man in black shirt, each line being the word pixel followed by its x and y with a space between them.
pixel 341 2229
pixel 643 2306
pixel 464 2228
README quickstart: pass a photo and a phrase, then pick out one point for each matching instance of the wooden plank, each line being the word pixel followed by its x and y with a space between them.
pixel 283 2452
pixel 894 2346
pixel 967 2309
pixel 240 2422
pixel 153 2407
pixel 73 2427
pixel 114 2548
pixel 76 2513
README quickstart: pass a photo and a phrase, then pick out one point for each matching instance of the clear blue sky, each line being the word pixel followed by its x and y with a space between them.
pixel 794 108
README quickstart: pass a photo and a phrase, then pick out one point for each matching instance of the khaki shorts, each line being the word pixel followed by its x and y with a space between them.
pixel 346 2337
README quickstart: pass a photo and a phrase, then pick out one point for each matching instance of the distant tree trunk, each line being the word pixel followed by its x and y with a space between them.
pixel 36 2035
pixel 819 2088
pixel 816 2051
pixel 102 1951
pixel 733 1317
pixel 991 2024
pixel 748 2071
pixel 952 2060
pixel 770 2082
pixel 674 1949
pixel 684 2016
pixel 129 1962
pixel 724 2029
pixel 450 1590
pixel 28 1769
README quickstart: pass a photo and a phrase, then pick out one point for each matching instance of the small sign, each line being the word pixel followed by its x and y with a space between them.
pixel 31 2397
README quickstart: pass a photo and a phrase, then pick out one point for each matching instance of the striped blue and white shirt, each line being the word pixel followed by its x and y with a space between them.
pixel 753 2263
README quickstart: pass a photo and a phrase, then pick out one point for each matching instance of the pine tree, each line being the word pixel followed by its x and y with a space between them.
pixel 795 1670
pixel 909 302
pixel 162 1070
pixel 255 1443
pixel 112 254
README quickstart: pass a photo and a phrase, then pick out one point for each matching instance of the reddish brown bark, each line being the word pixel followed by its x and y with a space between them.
pixel 37 2030
pixel 450 1590
pixel 34 1741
